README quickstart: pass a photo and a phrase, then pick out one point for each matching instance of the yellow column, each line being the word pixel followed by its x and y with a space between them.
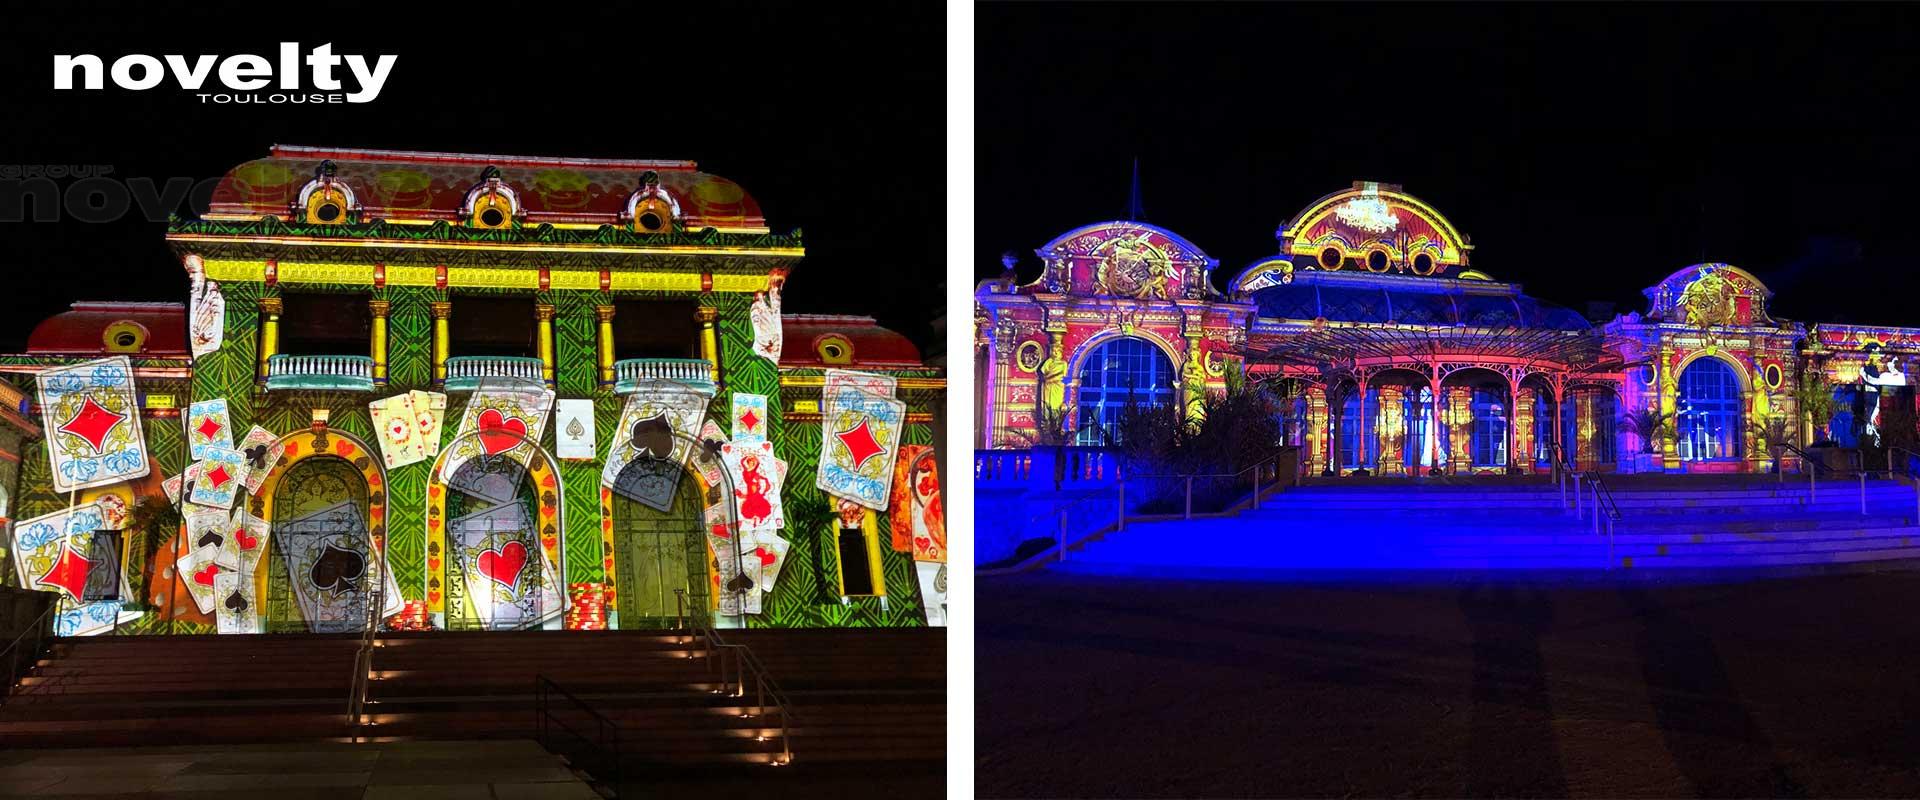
pixel 1669 402
pixel 544 312
pixel 605 313
pixel 1317 431
pixel 709 341
pixel 1460 428
pixel 442 310
pixel 270 308
pixel 379 308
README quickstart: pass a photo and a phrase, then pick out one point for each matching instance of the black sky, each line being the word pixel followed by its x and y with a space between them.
pixel 833 118
pixel 1588 150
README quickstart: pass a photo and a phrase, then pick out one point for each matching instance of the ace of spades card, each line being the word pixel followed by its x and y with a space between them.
pixel 327 559
pixel 652 441
pixel 92 424
pixel 222 472
pixel 234 608
pixel 262 450
pixel 860 439
pixel 213 528
pixel 208 427
pixel 509 580
pixel 756 477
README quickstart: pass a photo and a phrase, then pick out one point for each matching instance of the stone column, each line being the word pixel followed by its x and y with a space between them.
pixel 544 313
pixel 1317 433
pixel 709 340
pixel 442 311
pixel 1390 429
pixel 379 346
pixel 1460 429
pixel 605 315
pixel 1522 417
pixel 270 309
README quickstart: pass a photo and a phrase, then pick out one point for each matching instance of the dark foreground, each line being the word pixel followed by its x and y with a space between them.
pixel 1784 687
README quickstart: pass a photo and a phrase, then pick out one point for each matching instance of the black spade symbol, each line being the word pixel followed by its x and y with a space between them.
pixel 257 456
pixel 337 568
pixel 653 437
pixel 236 603
pixel 214 538
pixel 740 583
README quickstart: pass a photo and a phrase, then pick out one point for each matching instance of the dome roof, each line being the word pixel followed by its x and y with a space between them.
pixel 1382 301
pixel 100 328
pixel 810 340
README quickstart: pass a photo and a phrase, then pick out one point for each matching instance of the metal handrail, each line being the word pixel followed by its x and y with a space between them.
pixel 744 662
pixel 1603 502
pixel 605 729
pixel 363 663
pixel 1911 476
pixel 1813 486
pixel 1273 459
pixel 40 629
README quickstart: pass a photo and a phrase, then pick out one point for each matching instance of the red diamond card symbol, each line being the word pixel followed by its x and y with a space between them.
pixel 860 443
pixel 208 428
pixel 219 476
pixel 750 420
pixel 92 423
pixel 69 572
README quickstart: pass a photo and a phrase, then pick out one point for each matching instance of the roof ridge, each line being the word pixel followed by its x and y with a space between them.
pixel 373 154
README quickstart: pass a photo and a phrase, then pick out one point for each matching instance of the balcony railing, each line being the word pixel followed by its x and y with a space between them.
pixel 464 373
pixel 337 373
pixel 628 374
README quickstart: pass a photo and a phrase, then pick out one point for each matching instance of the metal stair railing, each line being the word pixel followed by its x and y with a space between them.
pixel 1911 475
pixel 605 741
pixel 1813 485
pixel 1603 506
pixel 1256 468
pixel 363 665
pixel 746 668
pixel 22 647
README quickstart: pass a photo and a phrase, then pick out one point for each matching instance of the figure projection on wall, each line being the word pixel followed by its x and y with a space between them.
pixel 1876 374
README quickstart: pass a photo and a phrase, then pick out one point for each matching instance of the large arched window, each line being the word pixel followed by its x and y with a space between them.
pixel 1121 374
pixel 1708 412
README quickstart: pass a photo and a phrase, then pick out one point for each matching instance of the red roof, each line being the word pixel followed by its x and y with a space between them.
pixel 82 330
pixel 402 185
pixel 872 345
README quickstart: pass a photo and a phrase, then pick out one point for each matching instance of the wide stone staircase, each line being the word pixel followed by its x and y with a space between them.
pixel 858 699
pixel 1664 522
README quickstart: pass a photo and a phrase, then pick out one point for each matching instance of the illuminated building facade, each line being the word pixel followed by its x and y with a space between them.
pixel 348 278
pixel 1389 353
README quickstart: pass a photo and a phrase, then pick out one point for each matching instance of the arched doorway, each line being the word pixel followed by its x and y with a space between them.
pixel 325 504
pixel 1707 412
pixel 1121 374
pixel 660 556
pixel 493 537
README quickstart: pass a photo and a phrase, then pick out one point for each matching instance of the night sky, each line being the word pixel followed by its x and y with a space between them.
pixel 1586 150
pixel 832 119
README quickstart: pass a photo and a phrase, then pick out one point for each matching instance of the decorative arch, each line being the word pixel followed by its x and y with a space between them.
pixel 545 476
pixel 1125 259
pixel 1369 216
pixel 1174 375
pixel 712 478
pixel 491 194
pixel 1710 293
pixel 330 443
pixel 1077 359
pixel 1740 370
pixel 311 206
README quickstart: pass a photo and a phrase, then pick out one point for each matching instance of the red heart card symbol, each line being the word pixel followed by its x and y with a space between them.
pixel 205 576
pixel 503 564
pixel 246 542
pixel 492 436
pixel 344 448
pixel 766 558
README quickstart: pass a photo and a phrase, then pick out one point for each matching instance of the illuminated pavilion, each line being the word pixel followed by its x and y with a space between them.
pixel 1392 354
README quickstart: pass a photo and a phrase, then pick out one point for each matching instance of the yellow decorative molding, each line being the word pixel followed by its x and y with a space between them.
pixel 817 381
pixel 574 279
pixel 655 281
pixel 310 272
pixel 491 278
pixel 228 270
pixel 407 244
pixel 410 276
pixel 740 283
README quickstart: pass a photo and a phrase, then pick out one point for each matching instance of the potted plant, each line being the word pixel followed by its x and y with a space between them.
pixel 1650 425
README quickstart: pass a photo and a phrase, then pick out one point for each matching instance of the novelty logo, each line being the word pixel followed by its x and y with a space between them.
pixel 243 74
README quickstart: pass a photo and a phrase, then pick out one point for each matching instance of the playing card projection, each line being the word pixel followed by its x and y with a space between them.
pixel 262 450
pixel 213 528
pixel 933 591
pixel 92 424
pixel 765 317
pixel 327 561
pixel 712 472
pixel 208 427
pixel 738 575
pixel 246 542
pixel 207 309
pixel 510 582
pixel 917 518
pixel 198 569
pixel 60 553
pixel 429 417
pixel 860 439
pixel 222 473
pixel 652 441
pixel 234 609
pixel 756 475
pixel 767 548
pixel 836 379
pixel 509 419
pixel 398 427
pixel 749 418
pixel 574 425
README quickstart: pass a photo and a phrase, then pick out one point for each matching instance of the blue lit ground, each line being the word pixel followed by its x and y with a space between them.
pixel 1101 686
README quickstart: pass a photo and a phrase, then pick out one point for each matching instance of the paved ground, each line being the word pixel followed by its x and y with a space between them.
pixel 506 770
pixel 1452 686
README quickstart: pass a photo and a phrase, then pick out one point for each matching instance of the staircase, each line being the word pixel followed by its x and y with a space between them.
pixel 1666 522
pixel 860 698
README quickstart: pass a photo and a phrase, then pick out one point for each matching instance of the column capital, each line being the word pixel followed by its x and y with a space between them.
pixel 271 305
pixel 706 315
pixel 379 307
pixel 442 309
pixel 603 313
pixel 543 312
